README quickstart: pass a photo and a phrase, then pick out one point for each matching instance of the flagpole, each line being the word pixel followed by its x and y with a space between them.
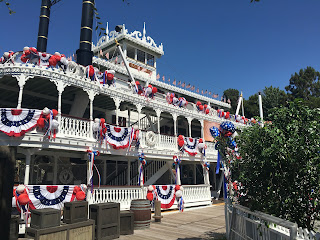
pixel 124 60
pixel 239 104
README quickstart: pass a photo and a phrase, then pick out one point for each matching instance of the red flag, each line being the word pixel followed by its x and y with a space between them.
pixel 201 91
pixel 188 86
pixel 179 83
pixel 229 101
pixel 197 90
pixel 215 95
pixel 193 88
pixel 122 63
pixel 163 78
pixel 183 84
pixel 174 82
pixel 158 76
pixel 107 55
pixel 101 53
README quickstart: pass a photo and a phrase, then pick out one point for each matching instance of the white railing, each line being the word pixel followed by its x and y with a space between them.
pixel 245 224
pixel 168 142
pixel 75 127
pixel 193 195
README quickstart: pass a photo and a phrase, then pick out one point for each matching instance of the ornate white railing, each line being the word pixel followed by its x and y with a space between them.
pixel 193 195
pixel 75 127
pixel 168 142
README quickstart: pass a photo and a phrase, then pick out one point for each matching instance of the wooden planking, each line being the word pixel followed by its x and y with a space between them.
pixel 196 223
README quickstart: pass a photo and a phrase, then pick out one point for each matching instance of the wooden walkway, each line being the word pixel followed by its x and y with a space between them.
pixel 196 223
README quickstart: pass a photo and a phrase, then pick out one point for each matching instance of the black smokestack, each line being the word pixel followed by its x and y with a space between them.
pixel 43 25
pixel 84 53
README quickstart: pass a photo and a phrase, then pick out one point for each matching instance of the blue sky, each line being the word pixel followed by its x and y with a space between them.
pixel 211 44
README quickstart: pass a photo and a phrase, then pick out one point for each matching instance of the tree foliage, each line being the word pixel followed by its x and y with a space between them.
pixel 251 106
pixel 305 85
pixel 272 97
pixel 233 95
pixel 280 166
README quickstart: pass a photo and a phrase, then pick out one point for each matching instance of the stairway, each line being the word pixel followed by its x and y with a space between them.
pixel 153 171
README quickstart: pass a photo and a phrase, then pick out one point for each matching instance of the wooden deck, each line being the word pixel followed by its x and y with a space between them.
pixel 196 223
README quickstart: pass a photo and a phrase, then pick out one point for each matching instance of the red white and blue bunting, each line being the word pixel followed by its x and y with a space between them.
pixel 166 194
pixel 16 122
pixel 119 137
pixel 191 146
pixel 50 196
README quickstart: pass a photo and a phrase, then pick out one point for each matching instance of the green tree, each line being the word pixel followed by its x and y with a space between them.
pixel 305 85
pixel 280 166
pixel 251 106
pixel 233 95
pixel 272 97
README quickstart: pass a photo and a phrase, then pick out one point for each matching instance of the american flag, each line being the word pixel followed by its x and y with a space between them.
pixel 193 88
pixel 210 93
pixel 197 90
pixel 169 80
pixel 201 91
pixel 116 61
pixel 188 86
pixel 101 53
pixel 107 55
pixel 206 92
pixel 215 95
pixel 70 58
pixel 150 73
pixel 174 82
pixel 183 84
pixel 158 76
pixel 229 101
pixel 179 83
pixel 163 78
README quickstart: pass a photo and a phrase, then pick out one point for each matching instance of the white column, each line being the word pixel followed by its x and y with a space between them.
pixel 178 176
pixel 22 79
pixel 205 175
pixel 128 172
pixel 55 169
pixel 20 96
pixel 174 116
pixel 135 54
pixel 189 124
pixel 117 102
pixel 91 95
pixel 260 109
pixel 158 112
pixel 124 46
pixel 59 107
pixel 27 170
pixel 139 108
pixel 202 130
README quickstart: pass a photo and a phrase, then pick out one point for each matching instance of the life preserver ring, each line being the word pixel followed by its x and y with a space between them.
pixel 150 138
pixel 66 176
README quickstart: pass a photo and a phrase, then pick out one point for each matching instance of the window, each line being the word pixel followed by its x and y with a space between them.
pixel 150 60
pixel 140 56
pixel 130 52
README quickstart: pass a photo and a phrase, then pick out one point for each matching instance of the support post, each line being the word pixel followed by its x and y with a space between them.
pixel 129 118
pixel 27 170
pixel 202 130
pixel 139 108
pixel 239 104
pixel 22 79
pixel 20 97
pixel 260 109
pixel 178 176
pixel 174 116
pixel 158 112
pixel 189 124
pixel 124 61
pixel 117 102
